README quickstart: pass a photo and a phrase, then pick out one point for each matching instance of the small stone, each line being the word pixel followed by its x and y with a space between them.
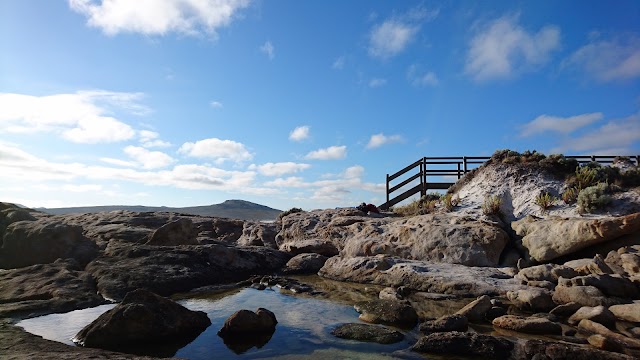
pixel 565 310
pixel 599 314
pixel 445 324
pixel 605 343
pixel 475 311
pixel 531 325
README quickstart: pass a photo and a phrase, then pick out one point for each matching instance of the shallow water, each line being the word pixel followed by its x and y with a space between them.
pixel 303 329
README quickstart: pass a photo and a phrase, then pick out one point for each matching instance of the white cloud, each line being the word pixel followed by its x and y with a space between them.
pixel 354 172
pixel 567 125
pixel 149 139
pixel 419 78
pixel 291 182
pixel 377 82
pixel 279 169
pixel 503 49
pixel 621 136
pixel 82 117
pixel 338 64
pixel 216 149
pixel 390 38
pixel 330 153
pixel 216 104
pixel 299 133
pixel 269 50
pixel 118 162
pixel 609 60
pixel 378 140
pixel 82 188
pixel 148 159
pixel 148 17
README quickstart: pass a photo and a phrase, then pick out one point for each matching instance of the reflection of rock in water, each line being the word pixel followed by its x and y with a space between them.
pixel 240 343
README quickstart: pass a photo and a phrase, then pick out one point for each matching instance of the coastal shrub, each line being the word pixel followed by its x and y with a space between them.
pixel 545 200
pixel 491 205
pixel 583 178
pixel 449 201
pixel 289 212
pixel 570 195
pixel 593 198
pixel 425 205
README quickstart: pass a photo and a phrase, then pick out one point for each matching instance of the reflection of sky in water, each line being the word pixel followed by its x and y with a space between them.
pixel 303 329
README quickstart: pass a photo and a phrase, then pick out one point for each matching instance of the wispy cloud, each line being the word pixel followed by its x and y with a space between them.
pixel 338 63
pixel 616 137
pixel 607 60
pixel 378 140
pixel 377 82
pixel 268 49
pixel 216 149
pixel 216 104
pixel 565 125
pixel 279 169
pixel 149 139
pixel 418 77
pixel 148 159
pixel 299 133
pixel 190 17
pixel 392 36
pixel 330 153
pixel 81 117
pixel 502 49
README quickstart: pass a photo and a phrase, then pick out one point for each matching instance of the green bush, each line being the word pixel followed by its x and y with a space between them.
pixel 491 205
pixel 424 205
pixel 570 195
pixel 545 200
pixel 289 212
pixel 593 198
pixel 449 201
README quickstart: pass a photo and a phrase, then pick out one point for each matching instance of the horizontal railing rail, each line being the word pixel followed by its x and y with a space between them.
pixel 455 166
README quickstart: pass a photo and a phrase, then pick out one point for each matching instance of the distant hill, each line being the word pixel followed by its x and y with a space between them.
pixel 233 209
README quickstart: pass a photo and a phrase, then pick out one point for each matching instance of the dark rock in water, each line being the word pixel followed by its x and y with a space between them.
pixel 177 232
pixel 247 322
pixel 43 241
pixel 309 263
pixel 392 312
pixel 46 288
pixel 494 312
pixel 163 270
pixel 246 329
pixel 565 310
pixel 445 324
pixel 558 351
pixel 465 344
pixel 366 332
pixel 144 318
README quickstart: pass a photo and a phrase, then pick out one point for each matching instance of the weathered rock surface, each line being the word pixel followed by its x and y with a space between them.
pixel 625 261
pixel 547 239
pixel 43 241
pixel 445 324
pixel 532 299
pixel 628 312
pixel 309 263
pixel 529 349
pixel 596 328
pixel 435 278
pixel 583 295
pixel 476 310
pixel 368 333
pixel 246 322
pixel 565 310
pixel 443 238
pixel 610 285
pixel 596 265
pixel 391 312
pixel 46 288
pixel 177 232
pixel 318 246
pixel 143 318
pixel 167 270
pixel 547 272
pixel 258 234
pixel 599 314
pixel 465 344
pixel 529 325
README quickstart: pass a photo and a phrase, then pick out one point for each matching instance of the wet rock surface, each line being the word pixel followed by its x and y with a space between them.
pixel 144 318
pixel 368 333
pixel 466 344
pixel 391 312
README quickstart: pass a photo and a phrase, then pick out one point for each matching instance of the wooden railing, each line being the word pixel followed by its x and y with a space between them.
pixel 450 167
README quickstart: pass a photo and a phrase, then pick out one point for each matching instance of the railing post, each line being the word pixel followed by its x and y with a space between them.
pixel 464 161
pixel 387 189
pixel 458 171
pixel 423 177
pixel 593 158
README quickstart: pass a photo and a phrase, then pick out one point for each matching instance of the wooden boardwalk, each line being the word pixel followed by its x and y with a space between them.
pixel 452 168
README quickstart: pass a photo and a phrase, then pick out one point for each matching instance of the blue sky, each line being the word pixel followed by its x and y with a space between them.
pixel 298 103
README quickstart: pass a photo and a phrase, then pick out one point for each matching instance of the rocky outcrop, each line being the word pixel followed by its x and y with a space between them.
pixel 43 241
pixel 46 288
pixel 548 239
pixel 167 270
pixel 309 263
pixel 529 325
pixel 368 333
pixel 177 232
pixel 143 318
pixel 391 312
pixel 532 299
pixel 258 234
pixel 465 344
pixel 434 278
pixel 247 322
pixel 445 324
pixel 475 311
pixel 541 349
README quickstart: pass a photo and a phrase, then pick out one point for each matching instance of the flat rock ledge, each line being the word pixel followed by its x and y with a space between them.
pixel 368 333
pixel 421 276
